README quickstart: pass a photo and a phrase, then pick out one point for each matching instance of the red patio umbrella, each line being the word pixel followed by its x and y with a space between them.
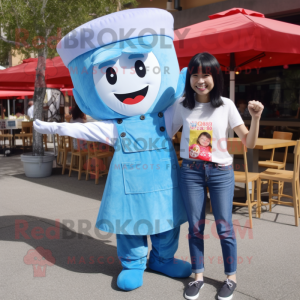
pixel 240 38
pixel 255 40
pixel 15 94
pixel 23 75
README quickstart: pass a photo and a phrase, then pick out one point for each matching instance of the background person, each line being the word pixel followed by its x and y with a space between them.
pixel 30 110
pixel 3 113
pixel 242 108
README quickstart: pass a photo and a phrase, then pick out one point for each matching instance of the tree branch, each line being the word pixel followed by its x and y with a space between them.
pixel 33 9
pixel 11 42
pixel 43 7
pixel 45 18
pixel 48 31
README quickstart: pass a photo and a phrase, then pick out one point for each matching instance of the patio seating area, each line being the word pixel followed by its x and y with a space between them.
pixel 9 140
pixel 232 65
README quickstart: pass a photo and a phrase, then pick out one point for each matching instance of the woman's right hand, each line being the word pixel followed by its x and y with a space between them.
pixel 45 127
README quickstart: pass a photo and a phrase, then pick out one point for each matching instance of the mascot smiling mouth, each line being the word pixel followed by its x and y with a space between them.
pixel 133 98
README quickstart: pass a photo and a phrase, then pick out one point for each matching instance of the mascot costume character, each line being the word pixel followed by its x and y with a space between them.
pixel 129 84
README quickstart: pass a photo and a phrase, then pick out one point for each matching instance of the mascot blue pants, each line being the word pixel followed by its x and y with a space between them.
pixel 133 250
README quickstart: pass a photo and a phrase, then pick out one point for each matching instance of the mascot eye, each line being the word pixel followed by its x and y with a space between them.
pixel 140 68
pixel 111 75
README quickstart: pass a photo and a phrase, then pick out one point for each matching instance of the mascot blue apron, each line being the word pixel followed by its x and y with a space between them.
pixel 125 73
pixel 142 195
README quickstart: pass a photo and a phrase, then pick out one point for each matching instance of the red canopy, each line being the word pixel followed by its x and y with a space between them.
pixel 69 90
pixel 13 94
pixel 234 11
pixel 23 75
pixel 256 41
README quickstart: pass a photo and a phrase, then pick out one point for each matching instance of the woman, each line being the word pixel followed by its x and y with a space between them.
pixel 203 109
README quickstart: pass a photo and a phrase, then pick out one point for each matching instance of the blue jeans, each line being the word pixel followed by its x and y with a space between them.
pixel 195 177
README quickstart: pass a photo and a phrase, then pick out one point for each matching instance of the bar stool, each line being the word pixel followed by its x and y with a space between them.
pixel 80 154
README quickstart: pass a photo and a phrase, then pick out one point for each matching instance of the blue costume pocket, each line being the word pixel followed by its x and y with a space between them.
pixel 142 177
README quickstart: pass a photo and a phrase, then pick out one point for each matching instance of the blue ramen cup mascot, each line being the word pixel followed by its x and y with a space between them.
pixel 125 73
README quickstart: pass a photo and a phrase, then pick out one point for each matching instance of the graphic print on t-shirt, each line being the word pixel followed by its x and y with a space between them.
pixel 200 141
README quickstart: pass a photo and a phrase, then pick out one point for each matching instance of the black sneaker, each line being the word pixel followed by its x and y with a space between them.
pixel 226 291
pixel 192 291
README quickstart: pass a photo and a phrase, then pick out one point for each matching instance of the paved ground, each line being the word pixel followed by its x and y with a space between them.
pixel 86 265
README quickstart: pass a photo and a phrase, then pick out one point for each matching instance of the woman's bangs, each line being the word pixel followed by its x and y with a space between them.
pixel 201 65
pixel 206 66
pixel 194 67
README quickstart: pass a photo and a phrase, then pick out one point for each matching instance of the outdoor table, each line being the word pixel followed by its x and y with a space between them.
pixel 265 144
pixel 262 144
pixel 12 125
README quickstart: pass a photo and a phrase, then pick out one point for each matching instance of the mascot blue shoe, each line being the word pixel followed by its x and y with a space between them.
pixel 172 267
pixel 129 280
pixel 161 259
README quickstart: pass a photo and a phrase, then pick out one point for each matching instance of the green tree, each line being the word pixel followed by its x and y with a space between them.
pixel 36 26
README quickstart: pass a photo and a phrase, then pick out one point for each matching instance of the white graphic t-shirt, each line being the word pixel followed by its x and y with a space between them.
pixel 205 130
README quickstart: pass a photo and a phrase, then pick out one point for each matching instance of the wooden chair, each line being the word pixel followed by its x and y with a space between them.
pixel 285 176
pixel 176 140
pixel 276 164
pixel 3 137
pixel 63 148
pixel 96 153
pixel 59 143
pixel 237 147
pixel 81 155
pixel 177 137
pixel 26 134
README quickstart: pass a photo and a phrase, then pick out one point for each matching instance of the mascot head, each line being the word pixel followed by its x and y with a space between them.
pixel 123 64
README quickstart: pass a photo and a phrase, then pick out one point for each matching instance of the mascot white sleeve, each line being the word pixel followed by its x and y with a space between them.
pixel 128 83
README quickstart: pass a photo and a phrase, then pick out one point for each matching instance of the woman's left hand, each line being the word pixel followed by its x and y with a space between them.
pixel 255 109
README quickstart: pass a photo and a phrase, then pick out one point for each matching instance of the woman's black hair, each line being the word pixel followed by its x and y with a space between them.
pixel 205 134
pixel 209 65
pixel 77 113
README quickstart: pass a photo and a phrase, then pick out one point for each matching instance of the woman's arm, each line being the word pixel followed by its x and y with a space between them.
pixel 104 132
pixel 249 138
